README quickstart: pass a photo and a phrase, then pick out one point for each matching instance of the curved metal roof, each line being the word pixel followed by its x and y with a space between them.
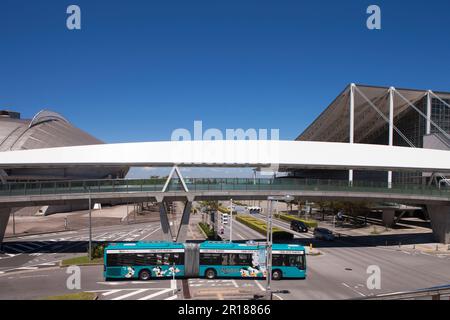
pixel 47 129
pixel 46 115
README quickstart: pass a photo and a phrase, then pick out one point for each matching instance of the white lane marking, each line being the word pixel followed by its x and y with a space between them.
pixel 234 283
pixel 30 267
pixel 26 268
pixel 150 296
pixel 124 283
pixel 278 296
pixel 126 289
pixel 356 291
pixel 259 285
pixel 141 282
pixel 148 235
pixel 47 264
pixel 133 293
pixel 240 236
pixel 171 298
pixel 173 284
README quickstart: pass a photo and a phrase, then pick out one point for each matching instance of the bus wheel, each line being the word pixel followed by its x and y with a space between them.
pixel 144 275
pixel 277 275
pixel 210 274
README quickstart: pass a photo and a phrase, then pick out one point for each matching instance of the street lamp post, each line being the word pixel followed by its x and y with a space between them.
pixel 269 247
pixel 90 228
pixel 231 220
pixel 270 199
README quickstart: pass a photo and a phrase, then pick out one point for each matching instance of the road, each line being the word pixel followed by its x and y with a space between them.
pixel 340 272
pixel 40 251
pixel 47 282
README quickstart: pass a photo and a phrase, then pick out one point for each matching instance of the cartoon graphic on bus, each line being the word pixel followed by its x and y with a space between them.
pixel 130 272
pixel 256 270
pixel 159 272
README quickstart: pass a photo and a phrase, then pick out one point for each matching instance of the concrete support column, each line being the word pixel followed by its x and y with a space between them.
pixel 440 222
pixel 428 123
pixel 184 223
pixel 389 218
pixel 352 126
pixel 4 218
pixel 391 128
pixel 165 225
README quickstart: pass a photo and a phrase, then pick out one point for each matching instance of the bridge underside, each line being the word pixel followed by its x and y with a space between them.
pixel 438 208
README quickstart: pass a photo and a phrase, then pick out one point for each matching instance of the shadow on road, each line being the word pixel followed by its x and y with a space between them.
pixel 370 240
pixel 28 247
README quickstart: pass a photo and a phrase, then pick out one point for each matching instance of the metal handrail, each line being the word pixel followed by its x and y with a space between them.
pixel 436 293
pixel 206 184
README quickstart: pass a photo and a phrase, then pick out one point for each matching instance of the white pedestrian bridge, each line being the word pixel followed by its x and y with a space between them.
pixel 226 153
pixel 278 155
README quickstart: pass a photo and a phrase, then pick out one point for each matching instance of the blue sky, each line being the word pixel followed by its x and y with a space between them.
pixel 137 70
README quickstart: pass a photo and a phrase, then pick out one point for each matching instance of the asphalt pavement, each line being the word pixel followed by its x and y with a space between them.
pixel 339 272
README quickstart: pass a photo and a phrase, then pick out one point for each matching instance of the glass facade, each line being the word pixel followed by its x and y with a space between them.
pixel 412 125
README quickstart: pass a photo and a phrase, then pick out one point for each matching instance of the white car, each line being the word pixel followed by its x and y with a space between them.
pixel 224 218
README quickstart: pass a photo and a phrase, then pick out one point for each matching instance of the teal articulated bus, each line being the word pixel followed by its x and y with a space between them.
pixel 146 260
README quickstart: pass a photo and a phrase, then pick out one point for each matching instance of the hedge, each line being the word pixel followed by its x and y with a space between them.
pixel 223 210
pixel 207 230
pixel 289 218
pixel 261 227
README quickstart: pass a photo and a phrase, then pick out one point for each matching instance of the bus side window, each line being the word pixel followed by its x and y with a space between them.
pixel 167 259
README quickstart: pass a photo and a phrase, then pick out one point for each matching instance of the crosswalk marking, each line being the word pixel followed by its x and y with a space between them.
pixel 111 292
pixel 130 294
pixel 125 235
pixel 171 298
pixel 27 247
pixel 150 296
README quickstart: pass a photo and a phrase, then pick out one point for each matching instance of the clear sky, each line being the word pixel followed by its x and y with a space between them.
pixel 137 70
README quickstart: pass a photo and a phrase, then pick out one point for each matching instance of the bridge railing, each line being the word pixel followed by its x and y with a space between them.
pixel 212 184
pixel 436 293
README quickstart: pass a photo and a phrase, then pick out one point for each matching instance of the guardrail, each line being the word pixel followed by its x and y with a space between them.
pixel 213 184
pixel 435 293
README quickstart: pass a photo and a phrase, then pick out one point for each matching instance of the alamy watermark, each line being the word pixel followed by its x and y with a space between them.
pixel 226 150
pixel 182 134
pixel 374 20
pixel 73 21
pixel 73 282
pixel 374 280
